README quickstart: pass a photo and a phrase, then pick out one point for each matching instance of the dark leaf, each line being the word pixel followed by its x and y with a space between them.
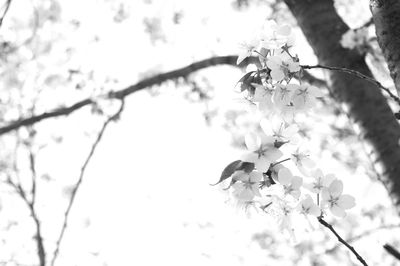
pixel 228 171
pixel 245 77
pixel 245 166
pixel 278 144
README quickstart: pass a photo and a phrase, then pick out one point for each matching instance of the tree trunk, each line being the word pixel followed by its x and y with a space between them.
pixel 324 28
pixel 386 15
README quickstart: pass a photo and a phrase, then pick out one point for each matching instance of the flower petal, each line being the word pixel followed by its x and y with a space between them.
pixel 337 211
pixel 249 157
pixel 256 176
pixel 253 142
pixel 346 202
pixel 277 74
pixel 284 176
pixel 266 127
pixel 262 165
pixel 297 181
pixel 336 188
pixel 273 154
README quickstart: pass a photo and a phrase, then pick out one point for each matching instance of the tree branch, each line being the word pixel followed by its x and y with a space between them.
pixel 38 237
pixel 341 240
pixel 386 15
pixel 392 251
pixel 365 234
pixel 323 29
pixel 80 179
pixel 7 7
pixel 121 94
pixel 358 75
pixel 152 81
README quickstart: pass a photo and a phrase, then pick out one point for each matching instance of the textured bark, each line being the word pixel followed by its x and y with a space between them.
pixel 323 29
pixel 386 15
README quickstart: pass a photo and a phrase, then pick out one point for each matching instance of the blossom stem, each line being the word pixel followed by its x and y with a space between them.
pixel 318 199
pixel 287 159
pixel 357 74
pixel 341 240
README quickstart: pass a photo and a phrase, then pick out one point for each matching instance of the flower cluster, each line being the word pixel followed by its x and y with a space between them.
pixel 355 39
pixel 279 93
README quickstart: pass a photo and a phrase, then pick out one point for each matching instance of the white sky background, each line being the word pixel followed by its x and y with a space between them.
pixel 146 199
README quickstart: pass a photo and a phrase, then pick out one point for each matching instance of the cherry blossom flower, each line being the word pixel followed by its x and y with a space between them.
pixel 281 68
pixel 320 181
pixel 287 113
pixel 335 200
pixel 302 161
pixel 275 36
pixel 278 130
pixel 291 184
pixel 263 152
pixel 263 95
pixel 247 49
pixel 355 38
pixel 304 96
pixel 247 185
pixel 307 207
pixel 282 94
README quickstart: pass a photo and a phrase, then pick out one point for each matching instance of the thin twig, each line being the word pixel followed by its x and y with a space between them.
pixel 80 179
pixel 357 74
pixel 38 237
pixel 341 240
pixel 392 251
pixel 365 234
pixel 7 4
pixel 282 161
pixel 366 24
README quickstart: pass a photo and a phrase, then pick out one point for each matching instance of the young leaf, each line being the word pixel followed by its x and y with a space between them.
pixel 245 166
pixel 228 171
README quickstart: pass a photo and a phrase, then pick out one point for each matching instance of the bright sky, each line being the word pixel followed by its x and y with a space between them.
pixel 146 199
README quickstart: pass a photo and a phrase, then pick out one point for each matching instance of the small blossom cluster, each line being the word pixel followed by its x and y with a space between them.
pixel 261 175
pixel 356 39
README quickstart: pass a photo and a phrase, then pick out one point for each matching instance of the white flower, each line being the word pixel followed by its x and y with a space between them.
pixel 320 181
pixel 304 96
pixel 287 113
pixel 275 170
pixel 282 94
pixel 278 130
pixel 336 202
pixel 263 95
pixel 263 152
pixel 281 68
pixel 307 206
pixel 302 160
pixel 291 184
pixel 247 186
pixel 247 49
pixel 354 38
pixel 275 36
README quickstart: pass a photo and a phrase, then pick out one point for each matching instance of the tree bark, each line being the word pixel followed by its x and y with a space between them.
pixel 323 29
pixel 386 15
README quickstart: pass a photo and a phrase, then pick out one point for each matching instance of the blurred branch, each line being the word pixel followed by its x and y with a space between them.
pixel 341 240
pixel 16 185
pixel 390 249
pixel 30 203
pixel 152 81
pixel 155 80
pixel 80 179
pixel 365 234
pixel 6 8
pixel 366 24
